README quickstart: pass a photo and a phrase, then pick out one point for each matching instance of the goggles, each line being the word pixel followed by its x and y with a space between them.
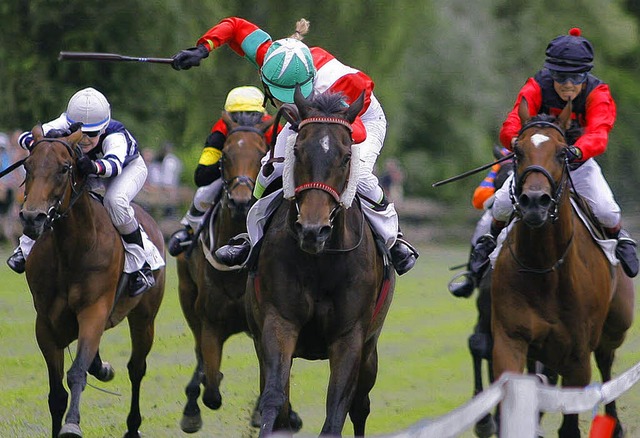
pixel 92 134
pixel 563 77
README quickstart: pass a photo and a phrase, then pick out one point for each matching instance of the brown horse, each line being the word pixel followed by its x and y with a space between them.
pixel 321 289
pixel 73 273
pixel 212 297
pixel 555 295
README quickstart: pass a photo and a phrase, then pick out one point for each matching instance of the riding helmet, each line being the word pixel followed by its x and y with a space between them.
pixel 569 53
pixel 90 107
pixel 288 63
pixel 245 98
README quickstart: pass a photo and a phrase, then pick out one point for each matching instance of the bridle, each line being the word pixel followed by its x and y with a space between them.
pixel 228 185
pixel 557 189
pixel 53 212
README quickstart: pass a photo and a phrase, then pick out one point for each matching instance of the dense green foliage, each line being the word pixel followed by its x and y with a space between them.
pixel 446 72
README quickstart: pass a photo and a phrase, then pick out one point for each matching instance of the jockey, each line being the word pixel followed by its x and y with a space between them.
pixel 565 76
pixel 285 64
pixel 244 103
pixel 112 163
pixel 483 197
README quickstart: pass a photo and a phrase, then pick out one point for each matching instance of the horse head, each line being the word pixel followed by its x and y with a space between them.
pixel 240 162
pixel 541 165
pixel 51 181
pixel 322 155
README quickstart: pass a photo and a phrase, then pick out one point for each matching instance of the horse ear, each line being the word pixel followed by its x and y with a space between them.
pixel 355 108
pixel 523 111
pixel 564 119
pixel 265 125
pixel 37 132
pixel 226 118
pixel 301 102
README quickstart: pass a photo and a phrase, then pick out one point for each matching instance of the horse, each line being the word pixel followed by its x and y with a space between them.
pixel 320 288
pixel 73 273
pixel 211 295
pixel 555 296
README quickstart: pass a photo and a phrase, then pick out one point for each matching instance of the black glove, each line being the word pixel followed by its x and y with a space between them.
pixel 74 127
pixel 86 166
pixel 573 154
pixel 185 59
pixel 57 133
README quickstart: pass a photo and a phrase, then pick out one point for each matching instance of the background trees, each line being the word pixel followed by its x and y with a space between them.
pixel 446 72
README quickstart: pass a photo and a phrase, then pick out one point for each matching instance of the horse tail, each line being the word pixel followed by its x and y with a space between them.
pixel 302 28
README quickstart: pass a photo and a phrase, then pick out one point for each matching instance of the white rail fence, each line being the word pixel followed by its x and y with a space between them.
pixel 523 397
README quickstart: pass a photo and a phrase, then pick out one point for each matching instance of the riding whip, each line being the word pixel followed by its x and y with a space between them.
pixel 11 168
pixel 471 172
pixel 111 57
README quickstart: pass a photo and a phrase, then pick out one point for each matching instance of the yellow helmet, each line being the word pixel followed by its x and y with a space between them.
pixel 245 98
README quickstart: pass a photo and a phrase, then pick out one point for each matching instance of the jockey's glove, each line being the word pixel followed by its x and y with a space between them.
pixel 86 166
pixel 573 154
pixel 191 57
pixel 57 133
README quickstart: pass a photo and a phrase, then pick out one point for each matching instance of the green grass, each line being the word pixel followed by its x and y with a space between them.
pixel 425 368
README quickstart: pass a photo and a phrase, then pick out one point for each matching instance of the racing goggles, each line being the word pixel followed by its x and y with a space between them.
pixel 563 77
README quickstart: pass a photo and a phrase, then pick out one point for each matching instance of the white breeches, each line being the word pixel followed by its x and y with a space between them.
pixel 588 182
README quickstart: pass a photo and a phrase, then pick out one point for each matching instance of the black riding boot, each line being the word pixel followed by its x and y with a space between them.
pixel 463 284
pixel 142 280
pixel 625 251
pixel 403 255
pixel 235 253
pixel 181 239
pixel 16 261
pixel 479 258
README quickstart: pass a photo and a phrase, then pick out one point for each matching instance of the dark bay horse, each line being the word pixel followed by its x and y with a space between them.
pixel 321 289
pixel 73 272
pixel 212 297
pixel 555 296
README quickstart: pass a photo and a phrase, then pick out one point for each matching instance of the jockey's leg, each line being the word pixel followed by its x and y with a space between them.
pixel 142 278
pixel 17 261
pixel 204 197
pixel 589 183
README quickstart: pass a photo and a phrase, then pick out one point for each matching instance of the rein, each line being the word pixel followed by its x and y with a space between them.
pixel 53 214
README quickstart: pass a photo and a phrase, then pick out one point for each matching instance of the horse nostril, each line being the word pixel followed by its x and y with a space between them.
pixel 324 233
pixel 524 200
pixel 545 200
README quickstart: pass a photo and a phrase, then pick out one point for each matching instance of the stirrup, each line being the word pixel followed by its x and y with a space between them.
pixel 464 288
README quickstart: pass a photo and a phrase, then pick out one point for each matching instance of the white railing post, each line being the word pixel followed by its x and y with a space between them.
pixel 519 407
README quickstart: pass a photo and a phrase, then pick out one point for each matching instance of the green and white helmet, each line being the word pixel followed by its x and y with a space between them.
pixel 90 107
pixel 288 63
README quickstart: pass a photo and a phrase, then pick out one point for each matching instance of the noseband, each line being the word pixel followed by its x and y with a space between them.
pixel 53 212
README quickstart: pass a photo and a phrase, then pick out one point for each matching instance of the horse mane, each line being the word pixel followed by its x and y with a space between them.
pixel 246 118
pixel 327 104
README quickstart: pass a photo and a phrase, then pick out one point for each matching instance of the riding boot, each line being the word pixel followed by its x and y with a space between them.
pixel 479 258
pixel 16 261
pixel 463 284
pixel 625 250
pixel 181 239
pixel 235 253
pixel 141 280
pixel 403 255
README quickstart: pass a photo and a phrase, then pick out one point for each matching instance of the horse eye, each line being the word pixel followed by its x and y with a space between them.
pixel 346 160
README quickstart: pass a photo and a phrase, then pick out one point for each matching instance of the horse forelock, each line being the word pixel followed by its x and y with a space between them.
pixel 326 104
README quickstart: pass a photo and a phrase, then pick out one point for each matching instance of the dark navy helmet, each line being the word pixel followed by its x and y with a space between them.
pixel 569 53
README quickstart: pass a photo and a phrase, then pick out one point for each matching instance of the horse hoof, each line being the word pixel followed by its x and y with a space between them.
pixel 295 422
pixel 70 430
pixel 107 373
pixel 486 427
pixel 212 399
pixel 191 424
pixel 132 435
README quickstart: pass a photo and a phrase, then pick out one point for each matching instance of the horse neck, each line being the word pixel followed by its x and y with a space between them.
pixel 227 226
pixel 78 223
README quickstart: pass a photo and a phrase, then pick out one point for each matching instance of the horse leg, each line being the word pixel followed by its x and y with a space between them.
pixel 54 358
pixel 278 342
pixel 345 359
pixel 578 377
pixel 619 319
pixel 211 342
pixel 361 405
pixel 141 330
pixel 102 371
pixel 191 421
